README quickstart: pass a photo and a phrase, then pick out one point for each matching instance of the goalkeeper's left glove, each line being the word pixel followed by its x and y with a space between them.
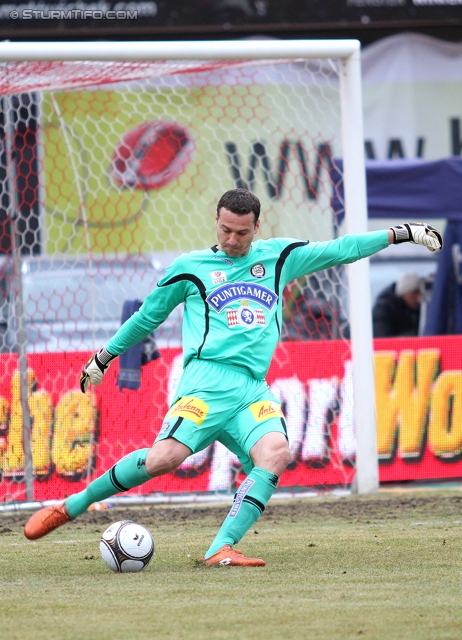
pixel 418 233
pixel 95 369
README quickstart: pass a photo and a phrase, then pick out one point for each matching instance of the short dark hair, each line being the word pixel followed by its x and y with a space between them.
pixel 240 201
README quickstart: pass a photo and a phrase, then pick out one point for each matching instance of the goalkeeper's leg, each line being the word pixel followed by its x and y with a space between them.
pixel 271 455
pixel 131 471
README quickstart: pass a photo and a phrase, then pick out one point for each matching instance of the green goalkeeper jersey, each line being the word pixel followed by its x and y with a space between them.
pixel 233 306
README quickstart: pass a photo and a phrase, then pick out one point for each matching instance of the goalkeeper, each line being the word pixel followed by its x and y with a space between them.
pixel 232 320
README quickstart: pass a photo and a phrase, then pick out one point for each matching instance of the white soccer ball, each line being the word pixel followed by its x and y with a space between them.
pixel 126 547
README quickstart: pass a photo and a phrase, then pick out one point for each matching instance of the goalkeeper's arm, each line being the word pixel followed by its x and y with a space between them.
pixel 169 292
pixel 416 233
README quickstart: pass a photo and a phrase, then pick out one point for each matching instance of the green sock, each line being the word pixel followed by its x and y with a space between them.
pixel 248 505
pixel 125 474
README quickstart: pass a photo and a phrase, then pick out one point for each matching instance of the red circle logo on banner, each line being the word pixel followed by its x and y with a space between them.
pixel 151 155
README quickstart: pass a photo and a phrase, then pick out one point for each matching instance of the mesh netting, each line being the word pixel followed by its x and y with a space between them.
pixel 109 171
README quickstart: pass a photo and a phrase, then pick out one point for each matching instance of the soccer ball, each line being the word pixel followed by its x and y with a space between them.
pixel 126 547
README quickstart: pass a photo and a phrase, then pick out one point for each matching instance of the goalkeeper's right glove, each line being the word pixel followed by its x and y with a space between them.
pixel 418 233
pixel 95 369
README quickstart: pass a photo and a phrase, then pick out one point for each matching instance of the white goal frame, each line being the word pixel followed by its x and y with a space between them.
pixel 348 52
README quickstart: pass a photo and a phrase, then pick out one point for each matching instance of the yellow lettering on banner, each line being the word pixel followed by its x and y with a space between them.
pixel 41 414
pixel 191 408
pixel 4 407
pixel 402 397
pixel 73 434
pixel 445 429
pixel 266 409
pixel 14 456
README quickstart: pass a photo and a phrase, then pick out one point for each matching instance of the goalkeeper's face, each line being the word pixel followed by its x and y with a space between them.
pixel 235 232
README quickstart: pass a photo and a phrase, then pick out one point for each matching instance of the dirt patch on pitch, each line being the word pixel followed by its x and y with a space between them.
pixel 350 509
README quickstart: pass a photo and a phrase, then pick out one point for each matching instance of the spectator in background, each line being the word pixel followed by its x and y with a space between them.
pixel 397 309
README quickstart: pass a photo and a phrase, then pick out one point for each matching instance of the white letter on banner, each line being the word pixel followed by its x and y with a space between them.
pixel 174 376
pixel 321 396
pixel 291 394
pixel 222 472
pixel 346 419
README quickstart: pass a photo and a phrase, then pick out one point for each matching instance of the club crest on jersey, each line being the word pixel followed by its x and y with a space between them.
pixel 233 291
pixel 258 270
pixel 245 316
pixel 218 277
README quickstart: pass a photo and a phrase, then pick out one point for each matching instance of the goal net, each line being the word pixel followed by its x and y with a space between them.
pixel 110 169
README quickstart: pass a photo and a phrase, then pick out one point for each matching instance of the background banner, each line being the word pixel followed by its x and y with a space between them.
pixel 412 110
pixel 411 93
pixel 99 195
pixel 77 437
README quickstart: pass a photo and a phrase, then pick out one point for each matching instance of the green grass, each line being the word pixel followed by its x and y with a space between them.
pixel 382 568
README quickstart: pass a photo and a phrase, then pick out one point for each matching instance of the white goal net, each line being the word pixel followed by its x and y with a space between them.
pixel 111 168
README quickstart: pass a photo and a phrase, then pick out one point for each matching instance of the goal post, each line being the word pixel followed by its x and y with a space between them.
pixel 71 139
pixel 354 176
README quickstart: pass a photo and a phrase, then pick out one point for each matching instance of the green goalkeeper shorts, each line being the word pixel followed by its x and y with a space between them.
pixel 224 403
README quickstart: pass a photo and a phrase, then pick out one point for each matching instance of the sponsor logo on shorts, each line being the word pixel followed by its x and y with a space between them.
pixel 266 409
pixel 164 427
pixel 232 291
pixel 191 408
pixel 218 277
pixel 258 270
pixel 239 497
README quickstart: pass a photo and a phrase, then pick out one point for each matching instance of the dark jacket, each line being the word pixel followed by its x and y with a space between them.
pixel 137 356
pixel 392 317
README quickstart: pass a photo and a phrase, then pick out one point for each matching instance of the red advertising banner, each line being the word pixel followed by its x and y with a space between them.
pixel 77 437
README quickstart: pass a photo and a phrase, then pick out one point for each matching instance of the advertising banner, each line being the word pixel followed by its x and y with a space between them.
pixel 239 129
pixel 77 437
pixel 137 166
pixel 140 169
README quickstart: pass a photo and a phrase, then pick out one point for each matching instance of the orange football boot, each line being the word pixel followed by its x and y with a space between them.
pixel 229 557
pixel 46 520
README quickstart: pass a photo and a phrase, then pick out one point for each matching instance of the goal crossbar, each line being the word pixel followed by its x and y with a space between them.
pixel 211 50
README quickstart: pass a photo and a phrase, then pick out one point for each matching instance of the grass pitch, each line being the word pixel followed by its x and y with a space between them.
pixel 381 568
